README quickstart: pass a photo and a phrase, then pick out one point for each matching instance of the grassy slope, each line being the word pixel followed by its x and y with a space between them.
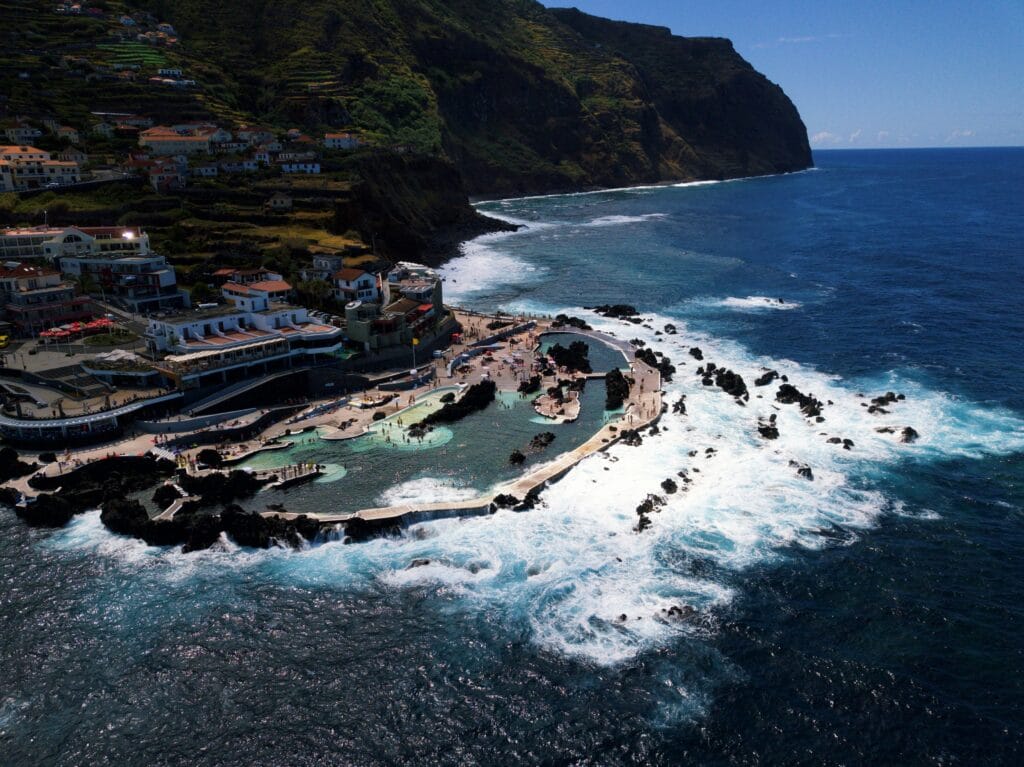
pixel 518 97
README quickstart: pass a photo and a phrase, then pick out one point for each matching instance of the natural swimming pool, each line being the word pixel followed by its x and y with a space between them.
pixel 461 460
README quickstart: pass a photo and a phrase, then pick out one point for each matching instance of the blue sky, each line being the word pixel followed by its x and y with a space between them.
pixel 870 74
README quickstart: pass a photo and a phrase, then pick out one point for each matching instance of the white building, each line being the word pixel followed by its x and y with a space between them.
pixel 218 344
pixel 355 285
pixel 312 168
pixel 248 295
pixel 20 132
pixel 141 284
pixel 25 167
pixel 341 141
pixel 52 243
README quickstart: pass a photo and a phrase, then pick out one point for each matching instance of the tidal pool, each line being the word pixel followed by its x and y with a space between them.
pixel 462 460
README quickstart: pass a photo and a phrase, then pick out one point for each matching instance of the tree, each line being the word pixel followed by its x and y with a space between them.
pixel 315 293
pixel 202 293
pixel 87 283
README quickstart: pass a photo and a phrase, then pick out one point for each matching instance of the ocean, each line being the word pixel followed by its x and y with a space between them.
pixel 871 615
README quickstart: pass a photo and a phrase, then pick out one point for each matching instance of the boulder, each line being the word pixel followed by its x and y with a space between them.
pixel 477 397
pixel 530 386
pixel 789 394
pixel 11 465
pixel 616 311
pixel 616 389
pixel 47 510
pixel 909 434
pixel 504 501
pixel 542 440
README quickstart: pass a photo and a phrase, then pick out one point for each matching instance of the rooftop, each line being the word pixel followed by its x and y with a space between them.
pixel 349 274
pixel 270 286
pixel 202 314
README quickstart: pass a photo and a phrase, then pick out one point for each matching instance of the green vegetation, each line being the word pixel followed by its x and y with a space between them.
pixel 117 337
pixel 517 96
pixel 491 96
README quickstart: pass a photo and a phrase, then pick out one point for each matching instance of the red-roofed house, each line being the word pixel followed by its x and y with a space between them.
pixel 274 291
pixel 244 276
pixel 162 140
pixel 355 285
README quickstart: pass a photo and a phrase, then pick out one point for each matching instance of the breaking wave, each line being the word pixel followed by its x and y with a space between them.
pixel 573 574
pixel 758 304
pixel 620 220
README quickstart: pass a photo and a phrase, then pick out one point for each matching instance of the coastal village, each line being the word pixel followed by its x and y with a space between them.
pixel 104 357
pixel 208 292
pixel 211 385
pixel 107 359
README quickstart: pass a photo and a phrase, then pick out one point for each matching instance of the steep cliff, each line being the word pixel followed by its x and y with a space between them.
pixel 454 97
pixel 520 97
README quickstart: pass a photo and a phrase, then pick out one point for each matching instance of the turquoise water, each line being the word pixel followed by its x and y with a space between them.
pixel 463 460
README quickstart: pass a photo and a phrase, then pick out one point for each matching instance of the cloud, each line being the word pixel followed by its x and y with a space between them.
pixel 882 135
pixel 855 135
pixel 801 39
pixel 825 137
pixel 959 133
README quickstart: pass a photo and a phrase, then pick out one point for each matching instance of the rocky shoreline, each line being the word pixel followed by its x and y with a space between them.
pixel 209 502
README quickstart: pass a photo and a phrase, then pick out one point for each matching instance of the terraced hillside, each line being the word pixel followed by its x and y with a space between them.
pixel 519 97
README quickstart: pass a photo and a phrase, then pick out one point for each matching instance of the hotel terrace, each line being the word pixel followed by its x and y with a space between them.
pixel 53 242
pixel 224 344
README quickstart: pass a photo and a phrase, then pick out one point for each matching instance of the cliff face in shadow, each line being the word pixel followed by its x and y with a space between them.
pixel 453 97
pixel 411 207
pixel 735 121
pixel 520 98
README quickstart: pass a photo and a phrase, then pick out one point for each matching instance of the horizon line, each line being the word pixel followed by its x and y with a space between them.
pixel 899 148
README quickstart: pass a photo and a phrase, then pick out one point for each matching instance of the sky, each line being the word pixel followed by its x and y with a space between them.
pixel 904 73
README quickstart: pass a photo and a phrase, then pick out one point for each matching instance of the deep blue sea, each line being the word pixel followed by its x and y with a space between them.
pixel 872 615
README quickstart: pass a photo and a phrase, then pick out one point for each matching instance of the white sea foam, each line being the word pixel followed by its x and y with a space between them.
pixel 620 220
pixel 757 304
pixel 571 568
pixel 638 188
pixel 482 266
pixel 426 490
pixel 710 182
